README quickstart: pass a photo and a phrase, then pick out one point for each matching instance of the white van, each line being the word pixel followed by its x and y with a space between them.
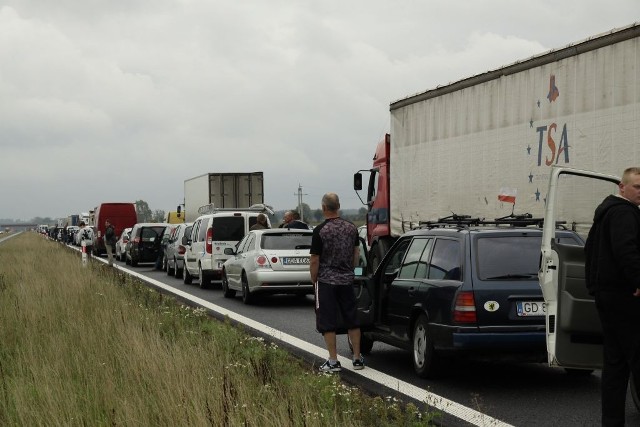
pixel 211 234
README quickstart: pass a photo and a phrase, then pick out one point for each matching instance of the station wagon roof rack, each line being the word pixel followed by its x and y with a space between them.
pixel 466 221
pixel 210 209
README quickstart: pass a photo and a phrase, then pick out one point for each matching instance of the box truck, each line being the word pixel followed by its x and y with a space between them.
pixel 484 146
pixel 222 190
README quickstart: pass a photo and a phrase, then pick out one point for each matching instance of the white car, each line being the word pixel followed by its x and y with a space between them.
pixel 122 243
pixel 272 261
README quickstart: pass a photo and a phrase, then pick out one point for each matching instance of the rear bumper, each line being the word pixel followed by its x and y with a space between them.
pixel 495 340
pixel 280 281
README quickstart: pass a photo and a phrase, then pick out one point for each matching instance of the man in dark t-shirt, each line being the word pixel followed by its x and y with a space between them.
pixel 334 253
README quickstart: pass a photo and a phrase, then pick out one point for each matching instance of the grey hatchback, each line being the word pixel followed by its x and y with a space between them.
pixel 464 288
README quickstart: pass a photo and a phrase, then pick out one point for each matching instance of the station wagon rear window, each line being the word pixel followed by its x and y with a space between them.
pixel 508 257
pixel 286 241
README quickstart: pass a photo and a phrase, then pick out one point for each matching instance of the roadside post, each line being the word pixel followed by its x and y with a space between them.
pixel 84 253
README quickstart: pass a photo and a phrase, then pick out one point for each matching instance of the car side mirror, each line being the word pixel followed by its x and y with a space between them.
pixel 186 241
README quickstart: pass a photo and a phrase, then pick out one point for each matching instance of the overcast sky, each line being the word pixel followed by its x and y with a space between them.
pixel 121 100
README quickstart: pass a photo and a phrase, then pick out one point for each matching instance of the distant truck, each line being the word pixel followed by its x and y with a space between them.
pixel 175 217
pixel 121 216
pixel 73 220
pixel 222 190
pixel 483 146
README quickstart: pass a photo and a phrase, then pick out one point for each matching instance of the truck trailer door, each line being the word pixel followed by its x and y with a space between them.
pixel 574 335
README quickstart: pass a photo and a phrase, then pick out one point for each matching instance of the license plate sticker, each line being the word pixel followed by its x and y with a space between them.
pixel 296 261
pixel 530 308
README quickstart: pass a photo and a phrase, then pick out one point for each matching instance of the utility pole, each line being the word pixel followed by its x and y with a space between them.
pixel 300 194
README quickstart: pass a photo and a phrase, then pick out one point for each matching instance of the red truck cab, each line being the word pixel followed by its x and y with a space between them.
pixel 378 216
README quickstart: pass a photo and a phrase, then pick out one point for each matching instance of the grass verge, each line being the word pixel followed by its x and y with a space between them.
pixel 91 346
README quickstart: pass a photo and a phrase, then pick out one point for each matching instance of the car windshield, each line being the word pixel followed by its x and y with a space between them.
pixel 286 241
pixel 508 257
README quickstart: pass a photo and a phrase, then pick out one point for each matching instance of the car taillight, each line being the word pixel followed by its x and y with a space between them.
pixel 209 241
pixel 262 262
pixel 465 308
pixel 181 250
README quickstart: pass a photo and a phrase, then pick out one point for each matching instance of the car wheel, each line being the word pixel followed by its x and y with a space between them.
pixel 204 280
pixel 228 293
pixel 134 262
pixel 171 270
pixel 247 298
pixel 179 272
pixel 426 361
pixel 127 260
pixel 366 344
pixel 186 278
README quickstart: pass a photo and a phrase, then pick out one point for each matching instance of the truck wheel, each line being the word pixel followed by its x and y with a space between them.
pixel 247 298
pixel 186 278
pixel 426 361
pixel 228 293
pixel 204 280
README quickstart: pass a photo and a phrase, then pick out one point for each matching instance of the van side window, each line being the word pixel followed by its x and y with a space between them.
pixel 194 230
pixel 202 232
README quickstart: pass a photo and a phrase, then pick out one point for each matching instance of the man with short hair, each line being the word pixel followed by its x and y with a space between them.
pixel 334 254
pixel 612 271
pixel 291 219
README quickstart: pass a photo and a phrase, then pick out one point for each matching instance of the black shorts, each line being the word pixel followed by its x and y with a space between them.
pixel 332 301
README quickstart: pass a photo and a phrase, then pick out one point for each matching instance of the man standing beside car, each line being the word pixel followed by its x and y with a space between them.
pixel 334 253
pixel 612 269
pixel 109 240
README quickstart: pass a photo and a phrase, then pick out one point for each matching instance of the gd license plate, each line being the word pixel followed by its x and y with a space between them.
pixel 296 261
pixel 530 308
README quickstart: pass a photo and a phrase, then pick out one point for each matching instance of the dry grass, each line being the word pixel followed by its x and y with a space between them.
pixel 89 346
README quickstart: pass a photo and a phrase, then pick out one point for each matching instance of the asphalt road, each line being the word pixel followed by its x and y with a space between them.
pixel 515 394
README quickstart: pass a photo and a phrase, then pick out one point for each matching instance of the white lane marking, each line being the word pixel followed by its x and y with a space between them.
pixel 443 404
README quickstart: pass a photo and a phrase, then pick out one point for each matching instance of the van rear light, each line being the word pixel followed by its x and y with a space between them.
pixel 209 241
pixel 181 250
pixel 465 308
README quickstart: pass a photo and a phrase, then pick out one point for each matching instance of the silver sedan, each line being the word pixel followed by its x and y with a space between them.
pixel 271 261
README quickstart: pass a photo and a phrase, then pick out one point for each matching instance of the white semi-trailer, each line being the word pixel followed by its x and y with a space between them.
pixel 479 145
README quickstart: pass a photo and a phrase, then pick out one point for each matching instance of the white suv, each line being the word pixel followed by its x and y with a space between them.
pixel 210 235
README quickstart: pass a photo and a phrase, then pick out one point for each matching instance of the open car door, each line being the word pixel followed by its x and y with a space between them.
pixel 574 334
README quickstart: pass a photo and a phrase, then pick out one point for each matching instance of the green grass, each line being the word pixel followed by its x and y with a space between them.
pixel 90 346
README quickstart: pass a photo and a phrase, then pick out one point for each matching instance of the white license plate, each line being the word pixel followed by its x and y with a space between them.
pixel 530 308
pixel 296 261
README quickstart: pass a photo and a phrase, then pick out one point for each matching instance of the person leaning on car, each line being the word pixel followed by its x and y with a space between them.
pixel 612 271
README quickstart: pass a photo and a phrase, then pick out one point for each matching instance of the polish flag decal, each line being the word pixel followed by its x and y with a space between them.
pixel 507 195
